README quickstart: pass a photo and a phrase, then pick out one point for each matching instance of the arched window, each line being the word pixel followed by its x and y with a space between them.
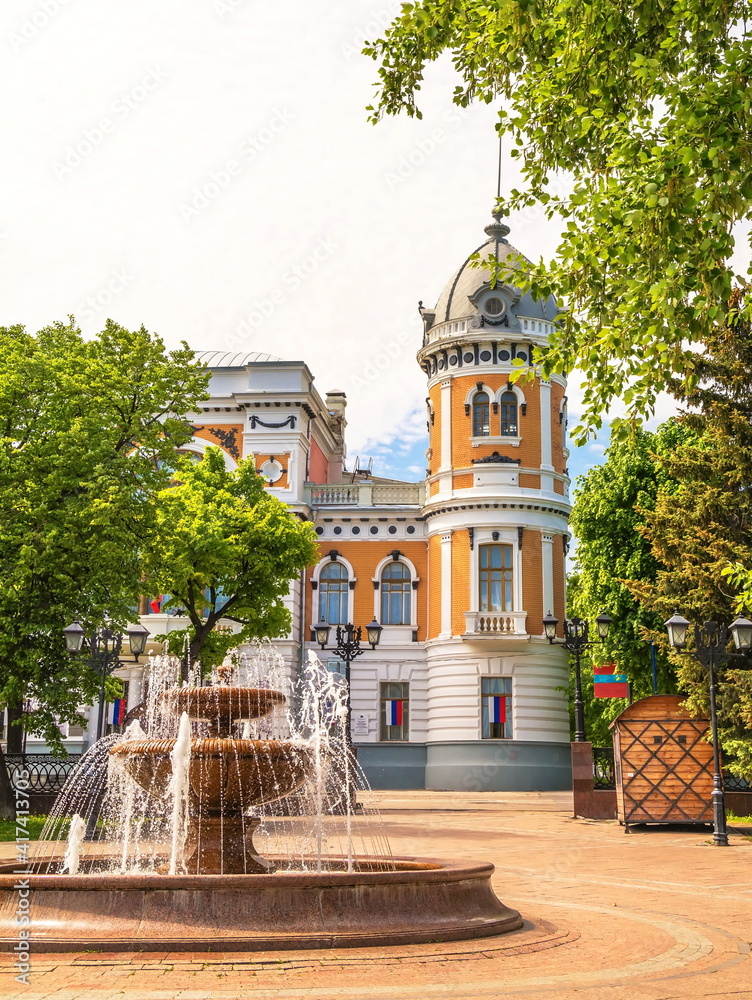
pixel 333 594
pixel 509 414
pixel 395 594
pixel 481 425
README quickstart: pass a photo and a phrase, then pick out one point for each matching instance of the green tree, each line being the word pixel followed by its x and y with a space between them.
pixel 631 122
pixel 228 550
pixel 610 503
pixel 85 430
pixel 699 530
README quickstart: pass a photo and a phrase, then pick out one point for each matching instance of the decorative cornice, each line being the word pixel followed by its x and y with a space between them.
pixel 495 458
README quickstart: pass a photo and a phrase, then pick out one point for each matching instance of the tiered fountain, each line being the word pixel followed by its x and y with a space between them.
pixel 171 862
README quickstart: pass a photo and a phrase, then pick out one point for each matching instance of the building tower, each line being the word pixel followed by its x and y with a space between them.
pixel 496 513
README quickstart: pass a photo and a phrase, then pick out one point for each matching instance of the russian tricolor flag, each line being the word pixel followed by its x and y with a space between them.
pixel 608 684
pixel 497 708
pixel 118 711
pixel 394 712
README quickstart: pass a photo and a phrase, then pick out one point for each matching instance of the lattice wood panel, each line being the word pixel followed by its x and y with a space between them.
pixel 664 765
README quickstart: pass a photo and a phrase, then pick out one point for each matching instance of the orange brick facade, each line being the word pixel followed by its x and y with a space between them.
pixel 364 556
pixel 460 580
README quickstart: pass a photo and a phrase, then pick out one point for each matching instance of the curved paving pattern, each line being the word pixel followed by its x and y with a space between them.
pixel 659 915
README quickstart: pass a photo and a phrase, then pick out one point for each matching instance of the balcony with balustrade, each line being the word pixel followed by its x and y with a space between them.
pixel 364 494
pixel 495 624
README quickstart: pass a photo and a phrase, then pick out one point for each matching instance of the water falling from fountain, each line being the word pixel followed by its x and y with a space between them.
pixel 73 852
pixel 257 767
pixel 178 789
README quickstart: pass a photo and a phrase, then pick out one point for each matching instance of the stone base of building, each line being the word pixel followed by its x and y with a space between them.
pixel 399 766
pixel 469 766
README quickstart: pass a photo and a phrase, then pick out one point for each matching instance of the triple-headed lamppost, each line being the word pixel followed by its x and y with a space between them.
pixel 347 646
pixel 103 647
pixel 710 650
pixel 575 640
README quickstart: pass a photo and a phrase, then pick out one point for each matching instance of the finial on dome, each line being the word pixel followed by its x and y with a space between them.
pixel 497 230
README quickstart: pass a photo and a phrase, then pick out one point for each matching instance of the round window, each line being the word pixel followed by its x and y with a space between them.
pixel 494 306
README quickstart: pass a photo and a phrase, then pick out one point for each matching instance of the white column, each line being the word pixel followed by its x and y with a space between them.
pixel 547 546
pixel 134 687
pixel 445 461
pixel 547 482
pixel 446 585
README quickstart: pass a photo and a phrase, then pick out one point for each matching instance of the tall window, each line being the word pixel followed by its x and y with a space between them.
pixel 496 708
pixel 333 594
pixel 481 425
pixel 509 414
pixel 395 710
pixel 395 594
pixel 495 578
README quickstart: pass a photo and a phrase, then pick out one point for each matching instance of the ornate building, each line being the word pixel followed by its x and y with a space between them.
pixel 463 692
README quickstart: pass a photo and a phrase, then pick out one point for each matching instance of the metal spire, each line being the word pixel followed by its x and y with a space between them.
pixel 498 230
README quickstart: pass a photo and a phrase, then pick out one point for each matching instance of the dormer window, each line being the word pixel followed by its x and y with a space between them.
pixel 494 306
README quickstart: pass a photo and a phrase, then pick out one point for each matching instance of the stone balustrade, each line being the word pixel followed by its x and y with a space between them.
pixel 492 623
pixel 364 494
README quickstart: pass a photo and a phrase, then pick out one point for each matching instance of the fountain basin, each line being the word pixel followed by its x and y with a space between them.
pixel 230 774
pixel 422 900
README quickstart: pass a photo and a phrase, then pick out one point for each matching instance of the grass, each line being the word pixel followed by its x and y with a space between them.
pixel 28 826
pixel 733 818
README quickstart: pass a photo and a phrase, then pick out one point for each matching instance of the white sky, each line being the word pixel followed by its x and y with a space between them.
pixel 207 169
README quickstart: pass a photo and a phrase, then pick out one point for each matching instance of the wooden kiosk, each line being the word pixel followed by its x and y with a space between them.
pixel 663 764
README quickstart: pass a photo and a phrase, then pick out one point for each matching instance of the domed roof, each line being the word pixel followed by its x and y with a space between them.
pixel 455 302
pixel 229 359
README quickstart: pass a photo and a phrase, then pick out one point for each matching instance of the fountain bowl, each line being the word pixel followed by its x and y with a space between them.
pixel 232 773
pixel 422 900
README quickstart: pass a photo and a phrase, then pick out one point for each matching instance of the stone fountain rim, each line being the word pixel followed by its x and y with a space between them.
pixel 208 744
pixel 414 869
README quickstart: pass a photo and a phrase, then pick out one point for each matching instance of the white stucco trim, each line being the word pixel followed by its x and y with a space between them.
pixel 199 445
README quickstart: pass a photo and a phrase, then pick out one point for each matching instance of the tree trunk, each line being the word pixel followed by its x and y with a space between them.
pixel 7 795
pixel 15 732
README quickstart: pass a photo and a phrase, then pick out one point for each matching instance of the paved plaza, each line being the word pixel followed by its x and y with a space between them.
pixel 653 915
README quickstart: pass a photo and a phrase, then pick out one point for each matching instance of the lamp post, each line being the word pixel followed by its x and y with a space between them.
pixel 710 651
pixel 103 647
pixel 347 646
pixel 576 638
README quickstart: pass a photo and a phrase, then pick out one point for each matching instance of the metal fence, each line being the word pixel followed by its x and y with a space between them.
pixel 47 774
pixel 604 776
pixel 603 767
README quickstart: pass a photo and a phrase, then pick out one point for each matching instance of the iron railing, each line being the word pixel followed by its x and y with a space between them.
pixel 47 774
pixel 603 767
pixel 604 777
pixel 733 784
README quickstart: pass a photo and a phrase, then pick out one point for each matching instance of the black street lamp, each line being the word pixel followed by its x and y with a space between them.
pixel 347 646
pixel 103 647
pixel 710 650
pixel 575 640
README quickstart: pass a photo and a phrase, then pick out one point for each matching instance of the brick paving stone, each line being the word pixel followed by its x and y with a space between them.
pixel 656 915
